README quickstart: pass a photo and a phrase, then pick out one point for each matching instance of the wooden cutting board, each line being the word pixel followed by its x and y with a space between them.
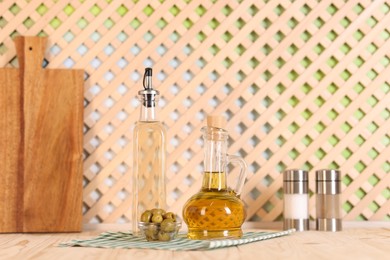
pixel 41 122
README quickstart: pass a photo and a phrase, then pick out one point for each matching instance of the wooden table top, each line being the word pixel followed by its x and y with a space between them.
pixel 358 240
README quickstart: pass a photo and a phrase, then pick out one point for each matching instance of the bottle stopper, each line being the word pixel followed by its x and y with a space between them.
pixel 216 121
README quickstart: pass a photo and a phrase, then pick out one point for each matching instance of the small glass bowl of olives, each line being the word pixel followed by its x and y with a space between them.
pixel 159 225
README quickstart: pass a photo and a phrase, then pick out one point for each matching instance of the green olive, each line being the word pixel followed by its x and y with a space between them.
pixel 151 233
pixel 146 216
pixel 170 215
pixel 158 211
pixel 162 236
pixel 149 238
pixel 157 219
pixel 168 225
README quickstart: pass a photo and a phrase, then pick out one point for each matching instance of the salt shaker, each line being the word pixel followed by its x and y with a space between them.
pixel 296 199
pixel 328 207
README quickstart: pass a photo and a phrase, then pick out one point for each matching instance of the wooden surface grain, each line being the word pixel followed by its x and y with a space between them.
pixel 41 157
pixel 361 240
pixel 10 138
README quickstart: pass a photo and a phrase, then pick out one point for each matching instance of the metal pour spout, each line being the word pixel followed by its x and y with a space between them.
pixel 148 95
pixel 148 79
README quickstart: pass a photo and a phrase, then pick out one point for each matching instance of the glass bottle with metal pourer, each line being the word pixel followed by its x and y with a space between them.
pixel 149 159
pixel 216 211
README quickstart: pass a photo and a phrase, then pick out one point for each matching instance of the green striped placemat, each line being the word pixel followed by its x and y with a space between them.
pixel 127 240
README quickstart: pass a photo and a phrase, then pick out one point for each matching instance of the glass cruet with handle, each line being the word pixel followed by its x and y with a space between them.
pixel 216 211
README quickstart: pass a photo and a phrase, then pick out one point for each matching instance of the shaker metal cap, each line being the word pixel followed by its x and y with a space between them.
pixel 328 182
pixel 295 175
pixel 327 175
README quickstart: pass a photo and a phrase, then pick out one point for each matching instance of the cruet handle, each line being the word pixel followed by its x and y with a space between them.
pixel 241 179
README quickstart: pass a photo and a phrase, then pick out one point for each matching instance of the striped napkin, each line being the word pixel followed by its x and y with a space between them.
pixel 127 240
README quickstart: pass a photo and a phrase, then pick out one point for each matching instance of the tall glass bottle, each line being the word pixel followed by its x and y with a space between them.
pixel 149 159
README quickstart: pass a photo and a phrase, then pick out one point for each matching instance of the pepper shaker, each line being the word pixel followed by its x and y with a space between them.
pixel 296 199
pixel 328 207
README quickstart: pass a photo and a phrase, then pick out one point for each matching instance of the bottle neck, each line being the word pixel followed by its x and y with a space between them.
pixel 215 161
pixel 148 113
